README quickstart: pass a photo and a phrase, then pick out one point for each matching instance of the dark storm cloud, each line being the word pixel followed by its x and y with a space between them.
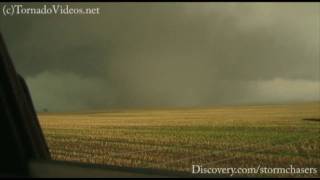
pixel 169 54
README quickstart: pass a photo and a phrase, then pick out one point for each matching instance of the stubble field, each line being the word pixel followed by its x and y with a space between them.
pixel 174 139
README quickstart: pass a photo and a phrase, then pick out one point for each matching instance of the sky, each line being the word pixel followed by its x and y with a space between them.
pixel 137 55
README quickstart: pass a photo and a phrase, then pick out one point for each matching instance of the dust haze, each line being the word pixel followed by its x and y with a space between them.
pixel 168 55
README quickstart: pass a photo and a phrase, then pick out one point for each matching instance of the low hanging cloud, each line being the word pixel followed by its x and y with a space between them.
pixel 169 54
pixel 69 92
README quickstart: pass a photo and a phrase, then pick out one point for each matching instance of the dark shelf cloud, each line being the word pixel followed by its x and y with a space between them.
pixel 168 54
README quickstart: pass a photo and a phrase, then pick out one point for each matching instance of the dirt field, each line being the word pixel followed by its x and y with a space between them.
pixel 174 139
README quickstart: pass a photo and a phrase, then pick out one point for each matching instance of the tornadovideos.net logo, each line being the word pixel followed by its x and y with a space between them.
pixel 54 9
pixel 199 169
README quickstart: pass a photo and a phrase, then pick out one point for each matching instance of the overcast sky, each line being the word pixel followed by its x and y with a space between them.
pixel 168 55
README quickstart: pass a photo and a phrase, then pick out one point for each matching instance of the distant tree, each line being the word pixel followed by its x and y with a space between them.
pixel 45 110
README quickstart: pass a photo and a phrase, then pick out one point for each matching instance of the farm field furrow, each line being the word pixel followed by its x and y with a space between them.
pixel 174 139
